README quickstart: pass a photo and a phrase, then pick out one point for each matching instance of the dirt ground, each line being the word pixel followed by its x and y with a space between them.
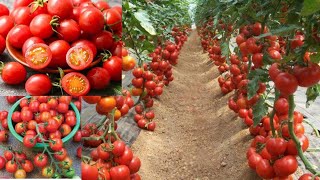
pixel 197 136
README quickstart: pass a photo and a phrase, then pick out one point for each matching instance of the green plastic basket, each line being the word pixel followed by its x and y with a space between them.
pixel 40 146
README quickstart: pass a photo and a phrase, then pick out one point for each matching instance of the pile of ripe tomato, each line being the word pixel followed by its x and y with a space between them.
pixel 273 153
pixel 70 34
pixel 41 119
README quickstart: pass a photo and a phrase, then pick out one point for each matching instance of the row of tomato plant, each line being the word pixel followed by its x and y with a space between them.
pixel 264 51
pixel 154 33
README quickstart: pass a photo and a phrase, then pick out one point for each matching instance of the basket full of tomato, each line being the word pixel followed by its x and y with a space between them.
pixel 44 121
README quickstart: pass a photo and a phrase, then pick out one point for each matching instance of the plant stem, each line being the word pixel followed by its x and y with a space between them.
pixel 313 127
pixel 295 139
pixel 277 94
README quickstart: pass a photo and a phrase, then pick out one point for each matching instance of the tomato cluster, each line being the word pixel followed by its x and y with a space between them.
pixel 17 163
pixel 52 34
pixel 49 116
pixel 273 152
pixel 149 79
pixel 109 157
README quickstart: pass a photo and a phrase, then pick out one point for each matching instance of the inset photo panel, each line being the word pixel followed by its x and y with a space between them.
pixel 38 137
pixel 54 47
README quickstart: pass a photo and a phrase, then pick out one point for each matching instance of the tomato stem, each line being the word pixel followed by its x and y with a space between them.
pixel 277 94
pixel 295 139
pixel 313 127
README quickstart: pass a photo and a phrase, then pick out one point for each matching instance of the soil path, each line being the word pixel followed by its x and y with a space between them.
pixel 197 136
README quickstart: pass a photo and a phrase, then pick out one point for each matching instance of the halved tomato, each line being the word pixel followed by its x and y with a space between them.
pixel 79 57
pixel 75 84
pixel 38 56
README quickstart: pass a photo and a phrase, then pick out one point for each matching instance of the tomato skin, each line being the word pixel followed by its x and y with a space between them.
pixel 126 157
pixel 6 24
pixel 13 73
pixel 89 172
pixel 265 170
pixel 78 78
pixel 253 160
pixel 282 106
pixel 274 71
pixel 91 99
pixel 4 11
pixel 62 9
pixel 40 26
pixel 18 35
pixel 276 146
pixel 102 5
pixel 27 166
pixel 134 165
pixel 47 172
pixel 21 3
pixel 38 84
pixel 2 162
pixel 114 66
pixel 11 166
pixel 23 16
pixel 292 149
pixel 286 83
pixel 90 44
pixel 56 144
pixel 106 104
pixel 308 176
pixel 120 172
pixel 113 19
pixel 91 21
pixel 103 40
pixel 99 78
pixel 307 76
pixel 69 30
pixel 29 42
pixel 285 166
pixel 29 141
pixel 59 49
pixel 20 174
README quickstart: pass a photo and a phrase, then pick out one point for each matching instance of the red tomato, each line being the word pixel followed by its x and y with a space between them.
pixel 89 172
pixel 23 16
pixel 285 166
pixel 286 83
pixel 265 170
pixel 29 42
pixel 27 166
pixel 11 166
pixel 2 162
pixel 21 3
pixel 79 57
pixel 38 84
pixel 102 5
pixel 6 24
pixel 307 76
pixel 38 56
pixel 62 9
pixel 87 43
pixel 126 157
pixel 40 160
pixel 113 19
pixel 99 78
pixel 103 40
pixel 40 26
pixel 91 21
pixel 13 73
pixel 276 146
pixel 69 30
pixel 56 144
pixel 114 66
pixel 59 51
pixel 4 11
pixel 29 141
pixel 61 154
pixel 18 35
pixel 120 172
pixel 75 84
pixel 134 165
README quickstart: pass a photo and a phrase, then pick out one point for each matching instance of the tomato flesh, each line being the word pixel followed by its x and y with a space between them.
pixel 38 56
pixel 75 84
pixel 79 57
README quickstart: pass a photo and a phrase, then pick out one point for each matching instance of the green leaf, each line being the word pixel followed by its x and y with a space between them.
pixel 281 29
pixel 253 87
pixel 312 94
pixel 260 109
pixel 310 7
pixel 225 51
pixel 143 17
